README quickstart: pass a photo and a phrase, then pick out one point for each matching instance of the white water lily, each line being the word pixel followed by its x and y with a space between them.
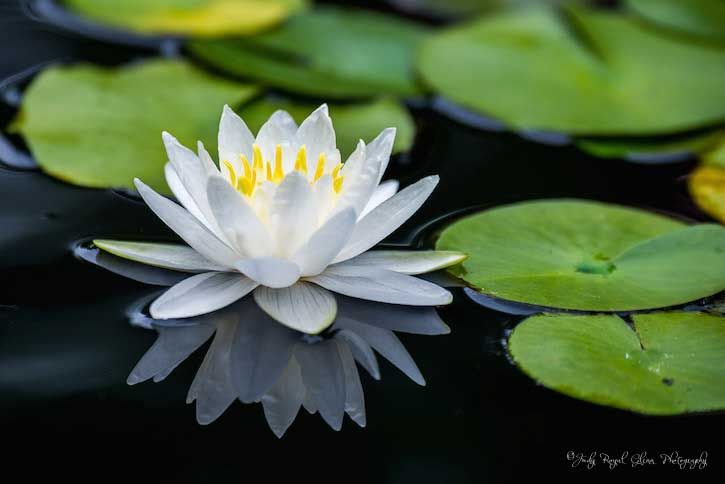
pixel 283 218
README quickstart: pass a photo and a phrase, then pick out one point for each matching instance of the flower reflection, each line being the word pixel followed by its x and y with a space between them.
pixel 254 360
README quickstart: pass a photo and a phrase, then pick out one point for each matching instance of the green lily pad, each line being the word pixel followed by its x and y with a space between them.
pixel 671 363
pixel 188 17
pixel 704 18
pixel 99 127
pixel 650 148
pixel 326 52
pixel 589 256
pixel 586 73
pixel 352 122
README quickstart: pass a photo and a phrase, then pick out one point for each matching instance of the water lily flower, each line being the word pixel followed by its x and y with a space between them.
pixel 283 218
pixel 251 359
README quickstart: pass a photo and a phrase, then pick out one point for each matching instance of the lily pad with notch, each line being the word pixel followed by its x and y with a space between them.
pixel 100 127
pixel 668 363
pixel 326 52
pixel 587 256
pixel 199 18
pixel 583 72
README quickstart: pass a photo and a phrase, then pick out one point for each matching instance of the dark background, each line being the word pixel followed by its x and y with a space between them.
pixel 66 347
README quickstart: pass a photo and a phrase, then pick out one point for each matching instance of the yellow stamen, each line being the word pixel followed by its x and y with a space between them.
pixel 337 184
pixel 301 161
pixel 268 170
pixel 247 185
pixel 320 167
pixel 257 160
pixel 247 168
pixel 232 173
pixel 336 171
pixel 278 171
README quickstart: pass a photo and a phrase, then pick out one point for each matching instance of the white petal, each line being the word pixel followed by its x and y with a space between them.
pixel 270 271
pixel 280 128
pixel 359 185
pixel 303 307
pixel 235 216
pixel 201 294
pixel 168 256
pixel 409 262
pixel 316 133
pixel 182 194
pixel 206 160
pixel 234 139
pixel 293 214
pixel 143 273
pixel 387 217
pixel 317 253
pixel 382 192
pixel 187 227
pixel 381 285
pixel 381 148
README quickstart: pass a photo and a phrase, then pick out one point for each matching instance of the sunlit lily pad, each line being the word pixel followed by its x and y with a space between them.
pixel 704 18
pixel 670 363
pixel 188 17
pixel 586 72
pixel 352 121
pixel 589 256
pixel 325 52
pixel 101 127
pixel 654 150
pixel 707 187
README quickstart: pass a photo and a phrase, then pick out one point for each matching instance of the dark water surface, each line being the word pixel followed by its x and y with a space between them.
pixel 66 347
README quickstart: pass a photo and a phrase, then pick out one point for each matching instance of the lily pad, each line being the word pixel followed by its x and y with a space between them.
pixel 586 73
pixel 651 150
pixel 670 363
pixel 589 256
pixel 707 187
pixel 100 127
pixel 188 17
pixel 704 18
pixel 326 52
pixel 352 121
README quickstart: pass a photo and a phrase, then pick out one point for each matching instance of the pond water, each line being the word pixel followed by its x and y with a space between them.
pixel 66 347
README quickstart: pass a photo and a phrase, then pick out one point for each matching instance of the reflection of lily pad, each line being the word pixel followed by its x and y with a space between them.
pixel 651 149
pixel 352 121
pixel 704 18
pixel 587 255
pixel 326 52
pixel 584 73
pixel 100 127
pixel 188 17
pixel 673 362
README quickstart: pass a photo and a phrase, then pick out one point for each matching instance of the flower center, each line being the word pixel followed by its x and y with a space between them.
pixel 261 170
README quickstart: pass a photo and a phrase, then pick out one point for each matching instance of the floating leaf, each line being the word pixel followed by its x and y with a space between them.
pixel 101 127
pixel 671 363
pixel 188 17
pixel 326 52
pixel 707 187
pixel 704 18
pixel 651 149
pixel 584 73
pixel 352 121
pixel 584 255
